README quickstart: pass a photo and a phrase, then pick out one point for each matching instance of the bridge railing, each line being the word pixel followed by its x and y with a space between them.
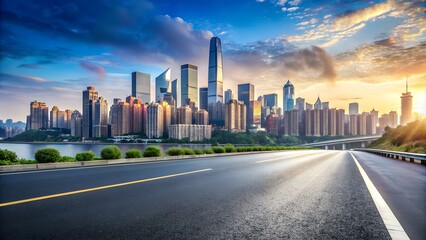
pixel 405 156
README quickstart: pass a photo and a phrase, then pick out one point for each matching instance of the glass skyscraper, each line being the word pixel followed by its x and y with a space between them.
pixel 175 92
pixel 271 100
pixel 162 85
pixel 288 96
pixel 203 98
pixel 215 78
pixel 189 84
pixel 228 95
pixel 246 93
pixel 141 86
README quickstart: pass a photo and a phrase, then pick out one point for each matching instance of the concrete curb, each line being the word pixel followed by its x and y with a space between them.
pixel 61 165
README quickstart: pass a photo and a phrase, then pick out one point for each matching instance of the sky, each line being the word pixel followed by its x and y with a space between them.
pixel 342 51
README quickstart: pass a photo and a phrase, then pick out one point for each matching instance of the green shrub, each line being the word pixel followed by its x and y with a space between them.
pixel 133 153
pixel 67 159
pixel 188 151
pixel 208 151
pixel 229 148
pixel 152 151
pixel 175 151
pixel 198 151
pixel 5 162
pixel 7 155
pixel 111 152
pixel 218 149
pixel 85 156
pixel 47 155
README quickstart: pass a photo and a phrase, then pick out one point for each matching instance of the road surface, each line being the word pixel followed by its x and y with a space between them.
pixel 311 194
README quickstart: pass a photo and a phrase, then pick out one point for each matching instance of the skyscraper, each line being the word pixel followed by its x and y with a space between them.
pixel 271 100
pixel 189 84
pixel 228 95
pixel 100 118
pixel 203 98
pixel 184 115
pixel 201 117
pixel 167 118
pixel 353 108
pixel 318 104
pixel 406 106
pixel 120 117
pixel 288 96
pixel 141 86
pixel 54 117
pixel 254 112
pixel 246 93
pixel 90 95
pixel 76 124
pixel 162 85
pixel 215 78
pixel 176 92
pixel 39 115
pixel 235 116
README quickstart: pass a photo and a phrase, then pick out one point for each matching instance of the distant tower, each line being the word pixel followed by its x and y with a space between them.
pixel 203 98
pixel 353 108
pixel 288 96
pixel 141 86
pixel 318 104
pixel 215 78
pixel 406 106
pixel 228 95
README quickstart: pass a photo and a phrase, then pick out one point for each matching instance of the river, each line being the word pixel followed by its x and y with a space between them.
pixel 27 150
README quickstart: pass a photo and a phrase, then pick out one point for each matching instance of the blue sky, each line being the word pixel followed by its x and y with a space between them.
pixel 343 50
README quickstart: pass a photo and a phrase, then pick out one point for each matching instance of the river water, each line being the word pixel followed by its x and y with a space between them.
pixel 27 150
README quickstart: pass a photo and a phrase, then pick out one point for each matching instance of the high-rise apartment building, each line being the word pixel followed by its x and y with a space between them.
pixel 189 84
pixel 120 117
pixel 288 96
pixel 162 85
pixel 39 116
pixel 353 108
pixel 184 115
pixel 272 123
pixel 167 118
pixel 246 94
pixel 235 116
pixel 76 124
pixel 291 123
pixel 141 86
pixel 154 120
pixel 54 117
pixel 406 106
pixel 201 117
pixel 340 122
pixel 215 78
pixel 217 114
pixel 393 119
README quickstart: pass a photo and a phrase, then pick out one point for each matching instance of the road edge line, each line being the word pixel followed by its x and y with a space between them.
pixel 395 229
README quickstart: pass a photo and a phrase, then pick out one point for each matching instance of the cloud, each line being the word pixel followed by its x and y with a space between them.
pixel 94 68
pixel 29 65
pixel 291 9
pixel 6 78
pixel 382 60
pixel 332 30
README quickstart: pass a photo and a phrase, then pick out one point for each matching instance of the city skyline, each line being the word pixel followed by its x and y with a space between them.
pixel 64 62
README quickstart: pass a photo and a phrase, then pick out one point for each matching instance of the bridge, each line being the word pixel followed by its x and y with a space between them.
pixel 345 143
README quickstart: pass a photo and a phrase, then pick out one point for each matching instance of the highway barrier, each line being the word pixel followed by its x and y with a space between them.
pixel 405 156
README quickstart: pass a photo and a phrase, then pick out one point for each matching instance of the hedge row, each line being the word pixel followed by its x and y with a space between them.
pixel 48 155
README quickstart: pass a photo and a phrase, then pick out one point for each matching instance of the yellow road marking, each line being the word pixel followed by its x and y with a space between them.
pixel 99 188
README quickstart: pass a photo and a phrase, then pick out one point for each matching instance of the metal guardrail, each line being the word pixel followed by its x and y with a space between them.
pixel 405 156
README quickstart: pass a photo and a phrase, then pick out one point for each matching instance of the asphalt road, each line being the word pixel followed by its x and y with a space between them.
pixel 282 195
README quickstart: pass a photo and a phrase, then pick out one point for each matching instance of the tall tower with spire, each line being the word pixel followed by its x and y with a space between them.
pixel 406 106
pixel 288 96
pixel 215 78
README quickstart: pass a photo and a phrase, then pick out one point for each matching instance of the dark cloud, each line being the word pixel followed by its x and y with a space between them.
pixel 131 27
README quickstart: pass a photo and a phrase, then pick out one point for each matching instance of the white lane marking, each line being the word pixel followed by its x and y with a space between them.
pixel 392 224
pixel 286 157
